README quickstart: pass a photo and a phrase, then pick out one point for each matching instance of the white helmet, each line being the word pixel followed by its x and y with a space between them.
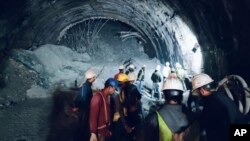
pixel 178 65
pixel 131 76
pixel 167 63
pixel 144 66
pixel 121 67
pixel 200 80
pixel 131 66
pixel 172 84
pixel 158 67
pixel 89 74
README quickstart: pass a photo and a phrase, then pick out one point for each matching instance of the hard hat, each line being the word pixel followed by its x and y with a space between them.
pixel 144 66
pixel 172 84
pixel 131 66
pixel 158 67
pixel 89 74
pixel 167 63
pixel 200 80
pixel 111 82
pixel 173 90
pixel 122 78
pixel 178 65
pixel 121 67
pixel 131 76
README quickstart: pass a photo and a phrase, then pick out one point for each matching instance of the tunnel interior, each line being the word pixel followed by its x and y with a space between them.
pixel 94 34
pixel 51 43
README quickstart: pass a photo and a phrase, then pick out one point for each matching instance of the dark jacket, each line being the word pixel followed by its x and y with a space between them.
pixel 84 96
pixel 141 74
pixel 132 96
pixel 218 113
pixel 156 77
pixel 83 103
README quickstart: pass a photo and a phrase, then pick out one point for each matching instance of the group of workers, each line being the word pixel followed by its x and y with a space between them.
pixel 115 112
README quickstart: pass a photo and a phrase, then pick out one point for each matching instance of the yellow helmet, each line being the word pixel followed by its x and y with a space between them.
pixel 122 78
pixel 200 80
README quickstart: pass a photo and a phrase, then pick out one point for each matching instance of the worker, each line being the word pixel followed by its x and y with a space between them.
pixel 219 111
pixel 99 119
pixel 141 77
pixel 166 71
pixel 121 70
pixel 82 102
pixel 156 78
pixel 170 122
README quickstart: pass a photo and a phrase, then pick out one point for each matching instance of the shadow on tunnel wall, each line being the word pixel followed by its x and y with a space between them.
pixel 2 64
pixel 63 121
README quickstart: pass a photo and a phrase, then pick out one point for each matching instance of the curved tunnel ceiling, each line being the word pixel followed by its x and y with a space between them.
pixel 215 23
pixel 148 18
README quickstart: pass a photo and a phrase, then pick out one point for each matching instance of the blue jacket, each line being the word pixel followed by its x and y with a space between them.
pixel 84 97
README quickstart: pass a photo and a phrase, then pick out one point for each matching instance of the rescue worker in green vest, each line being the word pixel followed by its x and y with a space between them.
pixel 170 122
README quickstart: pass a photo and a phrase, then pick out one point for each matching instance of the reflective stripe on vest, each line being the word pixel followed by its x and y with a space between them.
pixel 165 133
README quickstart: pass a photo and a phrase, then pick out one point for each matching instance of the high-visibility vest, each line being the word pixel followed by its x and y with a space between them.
pixel 165 133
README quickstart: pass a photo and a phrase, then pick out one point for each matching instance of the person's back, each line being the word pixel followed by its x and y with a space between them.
pixel 156 77
pixel 169 116
pixel 132 95
pixel 170 122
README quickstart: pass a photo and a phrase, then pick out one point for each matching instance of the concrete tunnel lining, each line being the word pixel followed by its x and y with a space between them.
pixel 138 16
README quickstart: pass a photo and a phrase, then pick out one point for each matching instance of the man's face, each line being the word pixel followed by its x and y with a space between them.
pixel 111 89
pixel 204 92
